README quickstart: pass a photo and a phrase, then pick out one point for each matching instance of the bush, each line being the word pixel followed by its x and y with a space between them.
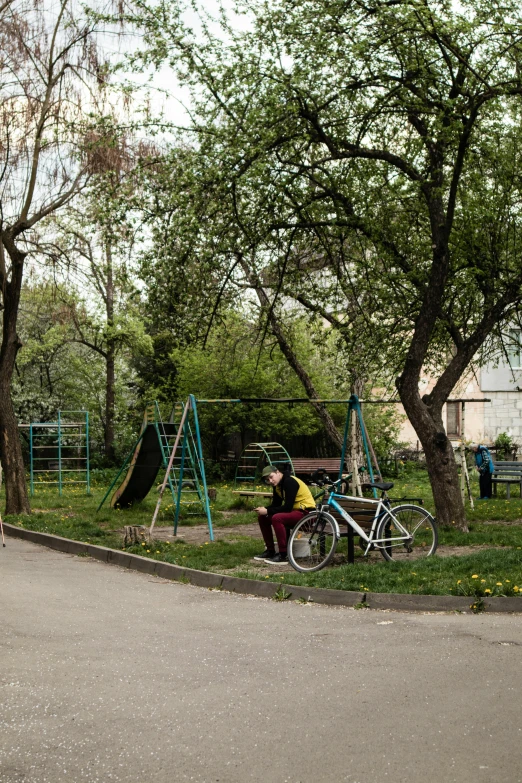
pixel 504 446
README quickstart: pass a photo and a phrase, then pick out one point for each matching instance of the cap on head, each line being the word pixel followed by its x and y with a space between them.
pixel 268 470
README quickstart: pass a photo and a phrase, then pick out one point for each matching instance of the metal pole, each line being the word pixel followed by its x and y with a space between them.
pixel 464 463
pixel 462 454
pixel 199 456
pixel 180 481
pixel 345 441
pixel 169 467
pixel 365 443
pixel 59 453
pixel 356 484
pixel 31 446
pixel 87 454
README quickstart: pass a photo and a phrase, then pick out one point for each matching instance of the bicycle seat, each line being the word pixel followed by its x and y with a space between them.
pixel 384 486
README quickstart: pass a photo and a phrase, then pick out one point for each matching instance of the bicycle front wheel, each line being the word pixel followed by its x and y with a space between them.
pixel 313 542
pixel 422 534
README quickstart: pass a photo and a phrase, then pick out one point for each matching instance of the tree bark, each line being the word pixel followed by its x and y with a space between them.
pixel 17 500
pixel 440 459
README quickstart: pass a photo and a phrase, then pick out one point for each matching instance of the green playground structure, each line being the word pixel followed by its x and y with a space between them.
pixel 157 442
pixel 175 447
pixel 59 451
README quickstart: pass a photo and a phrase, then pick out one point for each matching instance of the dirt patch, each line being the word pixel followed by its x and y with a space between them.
pixel 461 551
pixel 198 534
pixel 504 522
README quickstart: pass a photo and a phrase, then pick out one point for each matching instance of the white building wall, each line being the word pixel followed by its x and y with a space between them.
pixel 503 385
pixel 496 382
pixel 467 388
pixel 503 414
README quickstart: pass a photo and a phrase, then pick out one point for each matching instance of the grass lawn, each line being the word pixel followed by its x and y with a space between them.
pixel 488 559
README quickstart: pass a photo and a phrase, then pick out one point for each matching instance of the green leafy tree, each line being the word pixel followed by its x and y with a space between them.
pixel 62 363
pixel 236 363
pixel 370 154
pixel 51 70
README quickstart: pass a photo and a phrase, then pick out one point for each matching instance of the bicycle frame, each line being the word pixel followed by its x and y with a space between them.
pixel 382 508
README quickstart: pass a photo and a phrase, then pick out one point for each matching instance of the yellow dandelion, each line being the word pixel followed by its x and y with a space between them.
pixel 499 584
pixel 507 580
pixel 474 576
pixel 515 589
pixel 459 581
pixel 148 550
pixel 487 590
pixel 143 544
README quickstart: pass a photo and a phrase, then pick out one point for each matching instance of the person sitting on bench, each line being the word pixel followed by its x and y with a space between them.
pixel 485 467
pixel 291 500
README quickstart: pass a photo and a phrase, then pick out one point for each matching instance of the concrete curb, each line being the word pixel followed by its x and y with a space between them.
pixel 398 601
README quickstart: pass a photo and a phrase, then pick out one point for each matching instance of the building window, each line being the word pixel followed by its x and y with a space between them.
pixel 453 419
pixel 514 348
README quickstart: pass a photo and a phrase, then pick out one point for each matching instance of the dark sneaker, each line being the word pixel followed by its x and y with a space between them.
pixel 265 554
pixel 277 559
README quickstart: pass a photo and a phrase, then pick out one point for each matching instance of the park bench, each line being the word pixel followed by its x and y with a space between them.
pixel 305 467
pixel 251 493
pixel 507 473
pixel 362 512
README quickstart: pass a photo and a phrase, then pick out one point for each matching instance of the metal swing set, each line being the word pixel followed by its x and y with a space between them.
pixel 188 434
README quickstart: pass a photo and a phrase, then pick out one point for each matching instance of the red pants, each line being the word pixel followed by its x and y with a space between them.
pixel 280 523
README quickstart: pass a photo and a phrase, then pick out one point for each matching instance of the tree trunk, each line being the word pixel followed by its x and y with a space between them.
pixel 17 500
pixel 440 459
pixel 109 406
pixel 110 361
pixel 291 357
pixel 328 423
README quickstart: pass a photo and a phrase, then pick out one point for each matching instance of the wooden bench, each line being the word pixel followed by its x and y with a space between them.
pixel 250 493
pixel 507 473
pixel 362 511
pixel 307 466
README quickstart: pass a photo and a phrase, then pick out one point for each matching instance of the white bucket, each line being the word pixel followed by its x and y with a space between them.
pixel 301 548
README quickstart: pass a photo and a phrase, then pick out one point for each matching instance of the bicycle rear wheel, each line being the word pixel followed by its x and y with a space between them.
pixel 421 528
pixel 313 542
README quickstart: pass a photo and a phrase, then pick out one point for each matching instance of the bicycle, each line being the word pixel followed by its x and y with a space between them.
pixel 404 532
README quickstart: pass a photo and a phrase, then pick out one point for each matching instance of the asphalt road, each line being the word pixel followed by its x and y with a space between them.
pixel 111 675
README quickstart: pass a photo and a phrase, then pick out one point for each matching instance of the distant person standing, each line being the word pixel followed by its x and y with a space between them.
pixel 485 467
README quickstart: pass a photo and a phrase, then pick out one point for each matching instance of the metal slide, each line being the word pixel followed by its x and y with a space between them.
pixel 143 469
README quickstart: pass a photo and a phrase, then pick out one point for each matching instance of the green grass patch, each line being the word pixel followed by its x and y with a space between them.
pixel 215 556
pixel 480 573
pixel 496 572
